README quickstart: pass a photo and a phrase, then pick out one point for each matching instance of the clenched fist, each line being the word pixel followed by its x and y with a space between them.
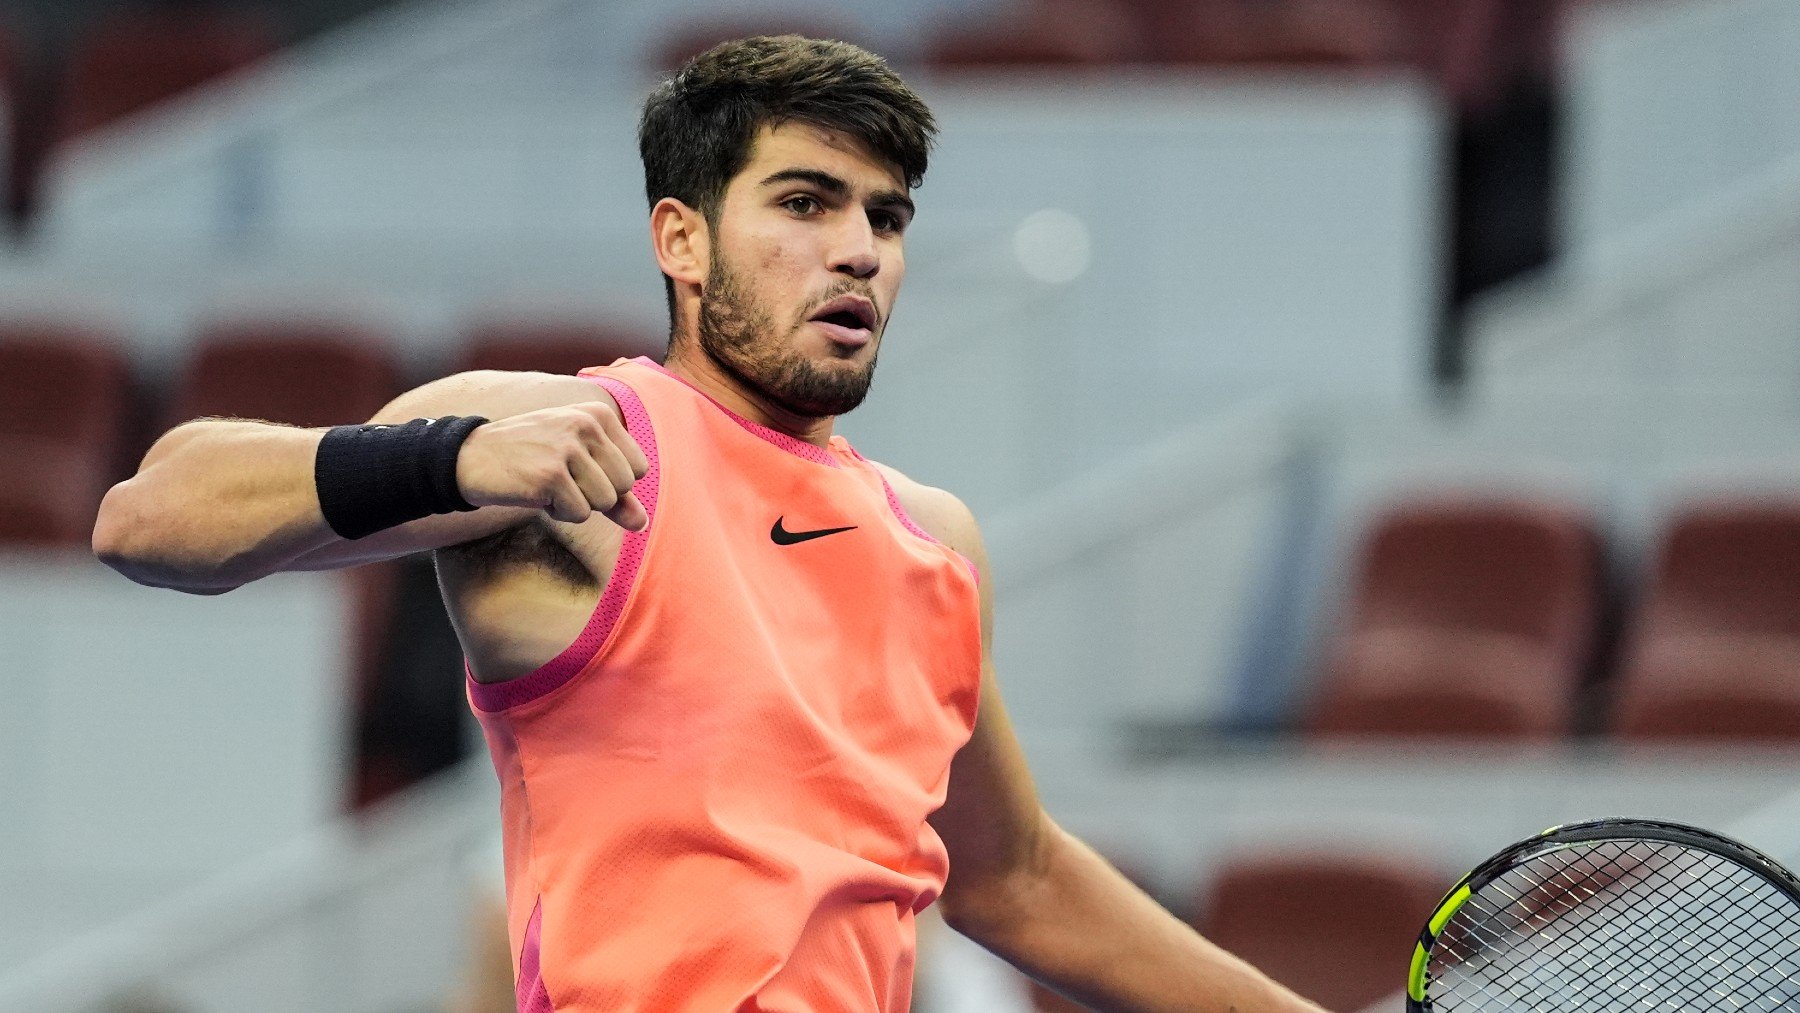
pixel 569 462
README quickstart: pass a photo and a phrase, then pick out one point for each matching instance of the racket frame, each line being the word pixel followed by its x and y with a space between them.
pixel 1611 828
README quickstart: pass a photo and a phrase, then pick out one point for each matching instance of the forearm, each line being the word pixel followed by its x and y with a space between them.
pixel 1076 924
pixel 215 504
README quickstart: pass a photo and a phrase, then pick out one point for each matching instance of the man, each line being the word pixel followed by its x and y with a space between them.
pixel 723 663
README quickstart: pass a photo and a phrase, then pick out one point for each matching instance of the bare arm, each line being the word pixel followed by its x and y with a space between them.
pixel 1032 893
pixel 221 502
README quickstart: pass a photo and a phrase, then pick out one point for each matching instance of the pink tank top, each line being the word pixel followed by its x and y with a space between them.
pixel 716 798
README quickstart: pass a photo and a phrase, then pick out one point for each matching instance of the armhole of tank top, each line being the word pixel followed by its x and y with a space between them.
pixel 555 673
pixel 906 520
pixel 529 991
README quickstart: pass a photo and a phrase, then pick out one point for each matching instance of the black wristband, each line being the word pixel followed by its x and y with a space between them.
pixel 374 477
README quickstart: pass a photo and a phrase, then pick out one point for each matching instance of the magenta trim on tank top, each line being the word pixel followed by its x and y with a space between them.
pixel 797 447
pixel 529 991
pixel 906 520
pixel 497 696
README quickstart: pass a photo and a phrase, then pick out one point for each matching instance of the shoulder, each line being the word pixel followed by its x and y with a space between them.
pixel 942 515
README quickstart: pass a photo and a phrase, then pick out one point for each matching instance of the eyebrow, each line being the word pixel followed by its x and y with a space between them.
pixel 887 199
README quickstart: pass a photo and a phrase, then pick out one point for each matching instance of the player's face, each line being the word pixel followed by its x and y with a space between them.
pixel 805 264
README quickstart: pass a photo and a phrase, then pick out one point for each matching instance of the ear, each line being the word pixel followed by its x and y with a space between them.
pixel 680 238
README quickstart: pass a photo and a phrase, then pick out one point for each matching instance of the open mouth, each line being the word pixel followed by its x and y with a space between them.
pixel 853 313
pixel 843 318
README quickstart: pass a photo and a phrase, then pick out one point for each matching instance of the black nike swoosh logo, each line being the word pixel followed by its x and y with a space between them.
pixel 782 536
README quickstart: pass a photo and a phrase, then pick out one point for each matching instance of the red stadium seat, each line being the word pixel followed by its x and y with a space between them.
pixel 1336 928
pixel 66 399
pixel 554 346
pixel 132 60
pixel 1472 618
pixel 692 38
pixel 1714 652
pixel 1043 33
pixel 1353 33
pixel 304 374
pixel 1458 45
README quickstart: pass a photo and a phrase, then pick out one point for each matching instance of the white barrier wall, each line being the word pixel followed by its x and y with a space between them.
pixel 151 738
pixel 1708 300
pixel 1684 360
pixel 367 916
pixel 1671 103
pixel 1125 597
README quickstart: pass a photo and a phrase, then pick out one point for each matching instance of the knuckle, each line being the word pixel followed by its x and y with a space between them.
pixel 547 479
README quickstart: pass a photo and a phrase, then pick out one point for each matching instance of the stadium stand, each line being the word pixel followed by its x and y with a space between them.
pixel 1530 608
pixel 688 39
pixel 1471 618
pixel 133 59
pixel 300 373
pixel 66 399
pixel 1714 651
pixel 1068 34
pixel 1292 33
pixel 1333 926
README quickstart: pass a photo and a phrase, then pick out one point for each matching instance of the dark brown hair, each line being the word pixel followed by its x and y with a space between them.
pixel 698 126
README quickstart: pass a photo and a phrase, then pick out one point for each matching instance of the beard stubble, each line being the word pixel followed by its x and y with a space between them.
pixel 739 335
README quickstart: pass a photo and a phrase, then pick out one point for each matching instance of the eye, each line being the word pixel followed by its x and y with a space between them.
pixel 887 221
pixel 802 204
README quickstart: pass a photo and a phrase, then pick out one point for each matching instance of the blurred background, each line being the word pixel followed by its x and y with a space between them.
pixel 1382 415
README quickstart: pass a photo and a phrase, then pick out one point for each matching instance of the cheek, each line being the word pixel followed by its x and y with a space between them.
pixel 777 261
pixel 893 272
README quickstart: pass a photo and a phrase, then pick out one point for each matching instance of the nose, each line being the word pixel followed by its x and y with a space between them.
pixel 853 248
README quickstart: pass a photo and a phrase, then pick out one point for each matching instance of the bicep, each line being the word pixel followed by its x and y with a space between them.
pixel 491 394
pixel 991 822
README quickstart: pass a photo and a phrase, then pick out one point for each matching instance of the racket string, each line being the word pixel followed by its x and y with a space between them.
pixel 1671 899
pixel 1673 929
pixel 1648 966
pixel 1519 916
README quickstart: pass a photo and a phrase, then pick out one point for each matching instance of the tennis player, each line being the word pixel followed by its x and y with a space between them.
pixel 729 670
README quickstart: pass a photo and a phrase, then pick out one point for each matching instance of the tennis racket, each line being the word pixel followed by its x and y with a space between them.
pixel 1619 915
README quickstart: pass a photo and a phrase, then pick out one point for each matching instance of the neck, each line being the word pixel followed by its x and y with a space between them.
pixel 720 384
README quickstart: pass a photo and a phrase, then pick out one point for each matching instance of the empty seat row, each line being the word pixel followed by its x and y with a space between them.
pixel 1466 46
pixel 66 407
pixel 1214 32
pixel 122 62
pixel 1487 618
pixel 1336 926
pixel 73 419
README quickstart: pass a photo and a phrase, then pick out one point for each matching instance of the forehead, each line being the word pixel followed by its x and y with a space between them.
pixel 795 144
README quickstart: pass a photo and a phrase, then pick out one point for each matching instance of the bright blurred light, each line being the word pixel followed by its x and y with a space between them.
pixel 1052 246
